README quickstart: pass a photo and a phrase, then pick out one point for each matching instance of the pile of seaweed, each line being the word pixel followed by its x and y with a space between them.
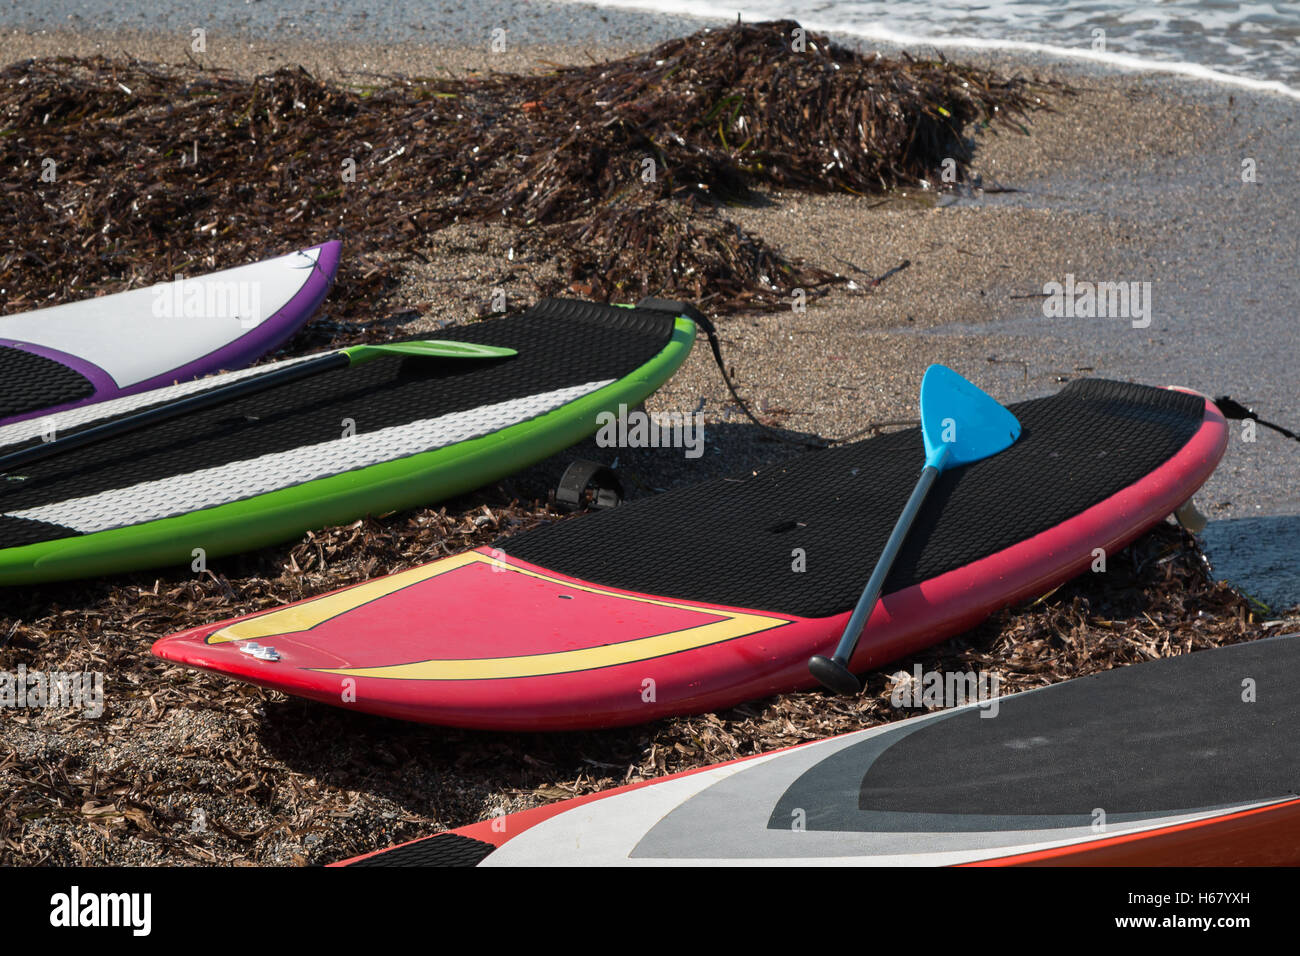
pixel 190 767
pixel 615 175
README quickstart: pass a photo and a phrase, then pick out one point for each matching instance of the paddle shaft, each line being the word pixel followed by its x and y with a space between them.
pixel 184 406
pixel 871 594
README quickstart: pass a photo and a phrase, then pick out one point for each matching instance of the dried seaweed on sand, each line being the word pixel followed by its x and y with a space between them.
pixel 127 173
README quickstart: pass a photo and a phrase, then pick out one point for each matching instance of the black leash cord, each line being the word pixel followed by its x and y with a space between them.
pixel 711 332
pixel 1235 411
pixel 872 427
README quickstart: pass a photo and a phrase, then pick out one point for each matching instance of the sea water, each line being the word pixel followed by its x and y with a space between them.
pixel 1245 44
pixel 1248 44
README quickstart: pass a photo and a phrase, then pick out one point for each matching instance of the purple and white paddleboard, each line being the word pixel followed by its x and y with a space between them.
pixel 115 345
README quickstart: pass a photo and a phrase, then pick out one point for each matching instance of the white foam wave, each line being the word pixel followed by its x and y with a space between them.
pixel 884 34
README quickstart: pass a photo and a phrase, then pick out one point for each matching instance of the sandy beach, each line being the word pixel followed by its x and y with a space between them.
pixel 1126 178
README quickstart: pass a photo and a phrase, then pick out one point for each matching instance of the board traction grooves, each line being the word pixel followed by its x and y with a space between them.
pixel 210 487
pixel 1056 470
pixel 562 626
pixel 268 466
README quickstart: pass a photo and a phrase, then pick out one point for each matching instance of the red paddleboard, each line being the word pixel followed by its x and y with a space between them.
pixel 705 597
pixel 1186 761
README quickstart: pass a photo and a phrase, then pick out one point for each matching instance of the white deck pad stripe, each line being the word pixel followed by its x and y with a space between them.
pixel 19 432
pixel 241 480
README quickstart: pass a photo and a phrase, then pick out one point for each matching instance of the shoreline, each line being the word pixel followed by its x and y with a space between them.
pixel 245 51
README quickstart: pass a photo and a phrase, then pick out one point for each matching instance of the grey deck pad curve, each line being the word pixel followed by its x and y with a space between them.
pixel 1163 741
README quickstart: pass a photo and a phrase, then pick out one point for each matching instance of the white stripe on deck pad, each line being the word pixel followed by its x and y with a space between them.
pixel 241 480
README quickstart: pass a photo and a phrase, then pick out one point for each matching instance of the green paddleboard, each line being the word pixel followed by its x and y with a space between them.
pixel 396 432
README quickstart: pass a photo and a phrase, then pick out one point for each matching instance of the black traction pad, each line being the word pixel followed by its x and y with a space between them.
pixel 442 849
pixel 561 343
pixel 31 382
pixel 1152 739
pixel 731 541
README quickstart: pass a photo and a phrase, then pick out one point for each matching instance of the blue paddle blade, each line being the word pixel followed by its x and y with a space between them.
pixel 961 423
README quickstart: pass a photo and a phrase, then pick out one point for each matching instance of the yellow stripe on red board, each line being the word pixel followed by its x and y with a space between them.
pixel 725 625
pixel 297 618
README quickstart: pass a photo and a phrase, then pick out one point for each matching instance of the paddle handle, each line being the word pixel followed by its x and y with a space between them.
pixel 871 594
pixel 184 406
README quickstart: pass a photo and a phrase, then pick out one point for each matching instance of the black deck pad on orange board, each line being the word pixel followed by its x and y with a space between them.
pixel 719 593
pixel 442 849
pixel 1175 736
